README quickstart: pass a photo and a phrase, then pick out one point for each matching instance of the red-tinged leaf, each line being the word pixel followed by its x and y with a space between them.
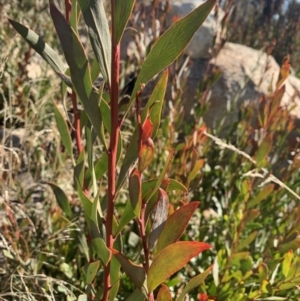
pixel 175 225
pixel 154 105
pixel 194 282
pixel 164 294
pixel 135 192
pixel 172 259
pixel 135 272
pixel 263 272
pixel 147 129
pixel 160 215
pixel 251 215
pixel 146 154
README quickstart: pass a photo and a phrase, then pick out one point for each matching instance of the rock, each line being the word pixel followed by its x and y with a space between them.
pixel 246 75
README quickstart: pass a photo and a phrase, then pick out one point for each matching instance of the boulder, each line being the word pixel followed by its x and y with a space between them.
pixel 246 75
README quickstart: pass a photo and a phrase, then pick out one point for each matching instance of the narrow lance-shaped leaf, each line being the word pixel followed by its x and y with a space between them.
pixel 123 11
pixel 63 130
pixel 194 282
pixel 171 44
pixel 172 259
pixel 79 67
pixel 135 192
pixel 154 105
pixel 61 199
pixel 43 49
pixel 96 21
pixel 91 271
pixel 175 225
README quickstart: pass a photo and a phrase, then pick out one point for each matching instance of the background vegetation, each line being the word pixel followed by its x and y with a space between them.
pixel 248 215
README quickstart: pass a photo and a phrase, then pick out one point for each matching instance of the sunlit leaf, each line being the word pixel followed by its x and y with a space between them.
pixel 123 11
pixel 163 294
pixel 171 44
pixel 91 271
pixel 194 283
pixel 175 225
pixel 171 259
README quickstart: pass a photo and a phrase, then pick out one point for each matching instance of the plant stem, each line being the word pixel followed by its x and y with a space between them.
pixel 112 151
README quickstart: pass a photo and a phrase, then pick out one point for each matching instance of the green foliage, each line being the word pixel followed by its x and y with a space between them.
pixel 129 226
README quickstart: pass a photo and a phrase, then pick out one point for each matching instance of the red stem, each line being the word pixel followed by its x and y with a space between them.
pixel 112 151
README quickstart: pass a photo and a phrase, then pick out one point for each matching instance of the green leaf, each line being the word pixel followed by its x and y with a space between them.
pixel 101 250
pixel 154 105
pixel 63 131
pixel 293 245
pixel 136 295
pixel 263 272
pixel 160 179
pixel 172 185
pixel 263 151
pixel 286 264
pixel 262 195
pixel 194 283
pixel 175 225
pixel 170 45
pixel 123 11
pixel 61 199
pixel 196 168
pixel 247 241
pixel 85 201
pixel 100 168
pixel 172 259
pixel 114 278
pixel 126 217
pixel 42 48
pixel 135 192
pixel 164 294
pixel 91 271
pixel 135 272
pixel 96 21
pixel 251 215
pixel 79 67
